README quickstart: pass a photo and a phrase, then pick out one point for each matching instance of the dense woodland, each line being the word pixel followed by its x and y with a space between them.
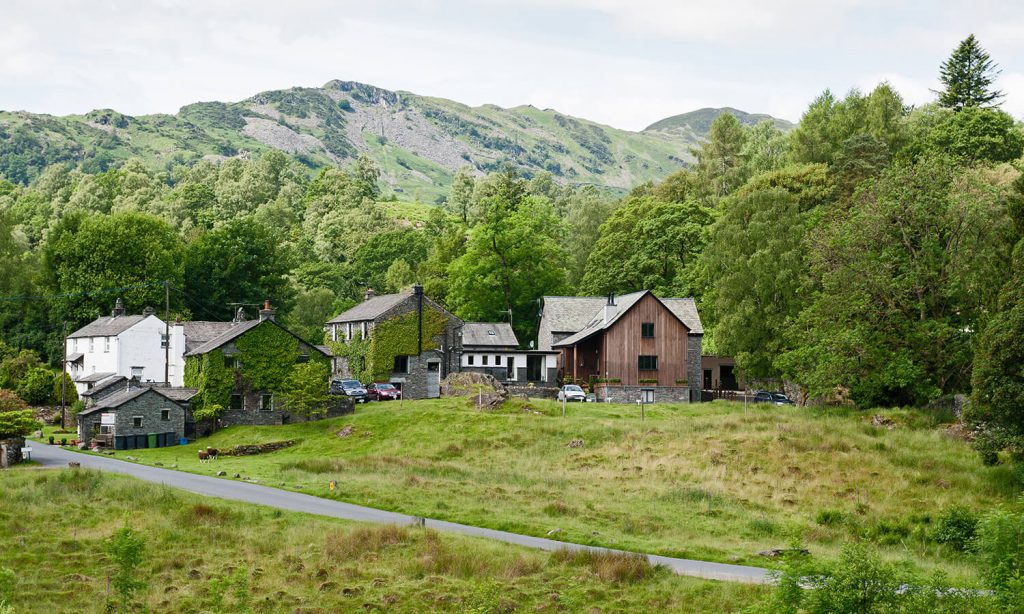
pixel 869 254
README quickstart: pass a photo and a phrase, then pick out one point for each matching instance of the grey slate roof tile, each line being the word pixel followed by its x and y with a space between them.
pixel 489 334
pixel 107 326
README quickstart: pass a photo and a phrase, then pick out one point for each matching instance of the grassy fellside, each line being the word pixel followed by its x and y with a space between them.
pixel 205 555
pixel 710 481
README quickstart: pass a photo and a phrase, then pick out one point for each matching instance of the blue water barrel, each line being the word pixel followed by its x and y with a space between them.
pixel 183 441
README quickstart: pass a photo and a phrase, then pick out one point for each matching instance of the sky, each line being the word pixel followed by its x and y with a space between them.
pixel 625 63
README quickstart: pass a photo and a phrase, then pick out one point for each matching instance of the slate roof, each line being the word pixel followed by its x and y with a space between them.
pixel 371 309
pixel 234 330
pixel 325 349
pixel 120 398
pixel 103 385
pixel 93 378
pixel 107 326
pixel 489 334
pixel 683 308
pixel 75 357
pixel 199 332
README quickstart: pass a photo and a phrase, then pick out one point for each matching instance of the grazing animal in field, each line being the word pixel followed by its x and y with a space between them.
pixel 213 453
pixel 204 456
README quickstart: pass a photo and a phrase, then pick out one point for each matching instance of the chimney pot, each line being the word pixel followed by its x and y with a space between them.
pixel 118 308
pixel 266 313
pixel 148 311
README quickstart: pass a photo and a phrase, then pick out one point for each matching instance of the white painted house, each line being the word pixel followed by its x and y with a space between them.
pixel 117 345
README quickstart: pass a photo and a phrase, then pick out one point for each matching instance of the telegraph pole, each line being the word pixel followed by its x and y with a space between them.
pixel 64 376
pixel 167 333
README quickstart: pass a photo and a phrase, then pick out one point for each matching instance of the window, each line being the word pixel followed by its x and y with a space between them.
pixel 485 360
pixel 165 415
pixel 266 402
pixel 137 373
pixel 137 422
pixel 106 344
pixel 236 402
pixel 92 344
pixel 302 358
pixel 74 345
pixel 164 340
pixel 647 330
pixel 470 360
pixel 647 395
pixel 648 363
pixel 401 364
pixel 497 361
pixel 230 362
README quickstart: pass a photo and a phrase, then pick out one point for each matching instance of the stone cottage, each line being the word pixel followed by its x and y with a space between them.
pixel 406 339
pixel 249 366
pixel 136 411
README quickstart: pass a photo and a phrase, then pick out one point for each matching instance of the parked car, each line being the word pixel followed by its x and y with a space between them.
pixel 572 392
pixel 383 392
pixel 350 388
pixel 774 398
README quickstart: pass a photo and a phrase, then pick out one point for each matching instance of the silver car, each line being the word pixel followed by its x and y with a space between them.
pixel 572 392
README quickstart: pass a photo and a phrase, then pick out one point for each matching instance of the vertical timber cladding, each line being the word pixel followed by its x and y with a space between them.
pixel 623 344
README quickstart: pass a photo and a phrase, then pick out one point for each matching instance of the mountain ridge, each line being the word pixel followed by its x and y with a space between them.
pixel 419 142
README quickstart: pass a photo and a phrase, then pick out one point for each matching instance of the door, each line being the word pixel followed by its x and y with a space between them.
pixel 534 366
pixel 433 380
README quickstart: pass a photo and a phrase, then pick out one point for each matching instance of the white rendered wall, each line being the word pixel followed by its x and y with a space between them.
pixel 139 346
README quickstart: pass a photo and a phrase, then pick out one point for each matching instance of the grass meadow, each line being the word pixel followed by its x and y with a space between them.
pixel 205 555
pixel 716 481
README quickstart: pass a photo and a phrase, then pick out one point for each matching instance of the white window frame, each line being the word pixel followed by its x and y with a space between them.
pixel 139 419
pixel 263 404
pixel 106 345
pixel 92 344
pixel 165 412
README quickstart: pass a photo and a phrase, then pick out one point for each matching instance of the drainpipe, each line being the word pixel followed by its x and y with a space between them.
pixel 418 291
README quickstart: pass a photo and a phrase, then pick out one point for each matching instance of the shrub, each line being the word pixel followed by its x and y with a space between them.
pixel 37 386
pixel 648 380
pixel 9 401
pixel 75 409
pixel 17 423
pixel 829 517
pixel 125 548
pixel 1000 543
pixel 70 394
pixel 956 528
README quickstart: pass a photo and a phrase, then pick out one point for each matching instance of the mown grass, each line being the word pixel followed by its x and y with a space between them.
pixel 206 555
pixel 711 481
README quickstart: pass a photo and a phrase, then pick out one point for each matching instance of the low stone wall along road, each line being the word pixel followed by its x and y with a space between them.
pixel 55 456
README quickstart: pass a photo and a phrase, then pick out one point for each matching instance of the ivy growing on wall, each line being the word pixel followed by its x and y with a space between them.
pixel 355 352
pixel 213 380
pixel 267 356
pixel 397 337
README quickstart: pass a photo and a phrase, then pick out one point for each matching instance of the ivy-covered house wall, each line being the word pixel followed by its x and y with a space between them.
pixel 396 334
pixel 266 375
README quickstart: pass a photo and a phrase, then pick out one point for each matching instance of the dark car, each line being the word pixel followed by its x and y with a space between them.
pixel 350 388
pixel 383 392
pixel 774 398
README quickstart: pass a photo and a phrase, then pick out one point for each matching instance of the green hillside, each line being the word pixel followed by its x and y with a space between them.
pixel 695 124
pixel 418 142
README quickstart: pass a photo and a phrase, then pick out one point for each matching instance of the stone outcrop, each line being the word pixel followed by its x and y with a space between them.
pixel 484 390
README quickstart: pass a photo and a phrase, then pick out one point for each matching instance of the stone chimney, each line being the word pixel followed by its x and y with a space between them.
pixel 118 309
pixel 369 294
pixel 610 308
pixel 266 313
pixel 148 311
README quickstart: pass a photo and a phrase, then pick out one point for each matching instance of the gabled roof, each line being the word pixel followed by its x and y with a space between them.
pixel 103 385
pixel 371 308
pixel 237 330
pixel 571 314
pixel 107 326
pixel 489 334
pixel 118 399
pixel 684 309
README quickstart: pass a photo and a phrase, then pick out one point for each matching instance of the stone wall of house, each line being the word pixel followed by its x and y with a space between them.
pixel 694 368
pixel 251 415
pixel 149 406
pixel 632 394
